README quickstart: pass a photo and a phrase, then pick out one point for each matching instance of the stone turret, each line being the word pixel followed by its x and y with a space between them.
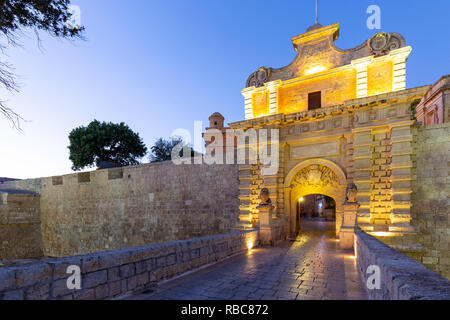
pixel 216 121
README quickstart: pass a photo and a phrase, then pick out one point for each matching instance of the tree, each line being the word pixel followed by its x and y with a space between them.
pixel 162 149
pixel 103 141
pixel 18 16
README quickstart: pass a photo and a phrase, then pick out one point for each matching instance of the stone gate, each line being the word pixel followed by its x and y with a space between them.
pixel 343 116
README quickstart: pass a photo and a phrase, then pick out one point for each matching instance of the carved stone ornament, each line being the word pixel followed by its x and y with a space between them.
pixel 258 78
pixel 316 175
pixel 265 197
pixel 382 43
pixel 352 191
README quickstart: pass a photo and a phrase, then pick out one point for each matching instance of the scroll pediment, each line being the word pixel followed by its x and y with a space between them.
pixel 317 52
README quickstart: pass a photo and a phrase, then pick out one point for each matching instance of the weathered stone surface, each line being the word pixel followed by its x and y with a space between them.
pixel 33 273
pixel 94 279
pixel 402 278
pixel 20 225
pixel 110 274
pixel 7 278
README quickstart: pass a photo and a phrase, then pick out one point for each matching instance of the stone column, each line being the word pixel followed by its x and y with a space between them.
pixel 347 233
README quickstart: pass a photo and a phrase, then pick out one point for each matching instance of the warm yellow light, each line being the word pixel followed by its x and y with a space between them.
pixel 381 234
pixel 301 199
pixel 316 69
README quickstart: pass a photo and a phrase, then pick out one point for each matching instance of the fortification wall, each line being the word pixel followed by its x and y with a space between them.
pixel 431 196
pixel 401 278
pixel 20 226
pixel 133 206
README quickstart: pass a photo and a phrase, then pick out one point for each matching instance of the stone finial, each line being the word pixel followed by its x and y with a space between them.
pixel 352 191
pixel 265 197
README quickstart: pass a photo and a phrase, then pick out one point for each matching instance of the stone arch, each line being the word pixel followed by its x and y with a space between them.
pixel 314 176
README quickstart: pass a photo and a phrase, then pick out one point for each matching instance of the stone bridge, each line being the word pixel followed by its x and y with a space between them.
pixel 231 266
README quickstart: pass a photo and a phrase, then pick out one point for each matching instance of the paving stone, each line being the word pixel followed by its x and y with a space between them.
pixel 311 268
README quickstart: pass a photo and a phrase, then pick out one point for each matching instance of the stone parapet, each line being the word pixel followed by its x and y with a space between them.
pixel 111 274
pixel 401 277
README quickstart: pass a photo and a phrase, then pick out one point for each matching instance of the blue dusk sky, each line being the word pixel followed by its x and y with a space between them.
pixel 161 65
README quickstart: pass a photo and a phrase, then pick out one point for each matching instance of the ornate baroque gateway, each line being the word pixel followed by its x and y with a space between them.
pixel 344 117
pixel 315 176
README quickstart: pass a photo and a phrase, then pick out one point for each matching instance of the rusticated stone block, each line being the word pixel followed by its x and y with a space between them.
pixel 114 288
pixel 7 279
pixel 131 283
pixel 61 265
pixel 86 294
pixel 142 279
pixel 33 273
pixel 59 288
pixel 126 271
pixel 38 292
pixel 113 274
pixel 171 259
pixel 101 291
pixel 140 267
pixel 94 279
pixel 12 295
pixel 97 262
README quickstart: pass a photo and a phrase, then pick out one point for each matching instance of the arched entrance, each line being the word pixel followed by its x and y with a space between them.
pixel 314 176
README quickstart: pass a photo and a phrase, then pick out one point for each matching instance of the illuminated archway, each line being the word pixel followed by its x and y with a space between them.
pixel 314 176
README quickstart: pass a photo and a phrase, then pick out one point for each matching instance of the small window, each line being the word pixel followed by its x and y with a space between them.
pixel 314 100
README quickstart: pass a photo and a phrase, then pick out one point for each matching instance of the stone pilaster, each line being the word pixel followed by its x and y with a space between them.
pixel 244 197
pixel 381 195
pixel 247 93
pixel 273 95
pixel 402 166
pixel 362 155
pixel 399 65
pixel 361 75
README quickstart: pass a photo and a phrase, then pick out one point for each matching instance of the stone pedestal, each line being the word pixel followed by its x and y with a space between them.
pixel 265 225
pixel 347 233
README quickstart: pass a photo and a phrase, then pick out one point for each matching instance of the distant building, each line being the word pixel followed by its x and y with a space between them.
pixel 433 108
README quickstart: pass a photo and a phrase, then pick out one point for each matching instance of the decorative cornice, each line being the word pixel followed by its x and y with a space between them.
pixel 348 107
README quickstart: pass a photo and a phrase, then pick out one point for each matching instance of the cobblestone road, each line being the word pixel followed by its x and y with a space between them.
pixel 311 268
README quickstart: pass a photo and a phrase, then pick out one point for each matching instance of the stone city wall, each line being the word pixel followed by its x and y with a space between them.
pixel 401 278
pixel 20 225
pixel 112 274
pixel 431 196
pixel 133 206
